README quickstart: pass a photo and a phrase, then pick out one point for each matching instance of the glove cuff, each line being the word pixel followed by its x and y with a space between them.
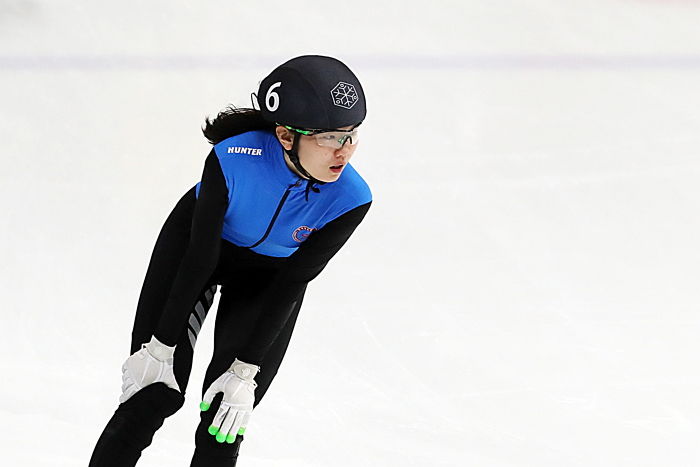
pixel 158 350
pixel 245 371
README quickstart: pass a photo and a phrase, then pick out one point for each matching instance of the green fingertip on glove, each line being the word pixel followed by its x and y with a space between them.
pixel 203 406
pixel 220 437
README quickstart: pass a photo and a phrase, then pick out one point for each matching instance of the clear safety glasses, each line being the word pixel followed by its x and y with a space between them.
pixel 331 138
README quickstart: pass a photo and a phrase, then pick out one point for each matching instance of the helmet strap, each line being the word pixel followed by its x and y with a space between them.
pixel 294 157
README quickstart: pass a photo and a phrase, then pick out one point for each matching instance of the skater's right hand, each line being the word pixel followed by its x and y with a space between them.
pixel 236 407
pixel 152 364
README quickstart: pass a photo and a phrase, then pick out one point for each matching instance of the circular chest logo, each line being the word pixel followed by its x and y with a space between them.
pixel 301 233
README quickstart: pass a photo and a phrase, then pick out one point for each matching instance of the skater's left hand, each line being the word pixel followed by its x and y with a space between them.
pixel 236 407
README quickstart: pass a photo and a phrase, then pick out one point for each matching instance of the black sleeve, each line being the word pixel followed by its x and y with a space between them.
pixel 303 265
pixel 202 254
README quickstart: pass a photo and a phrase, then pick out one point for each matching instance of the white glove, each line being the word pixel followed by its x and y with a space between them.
pixel 238 387
pixel 152 364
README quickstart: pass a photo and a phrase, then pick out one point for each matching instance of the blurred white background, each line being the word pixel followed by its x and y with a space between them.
pixel 523 292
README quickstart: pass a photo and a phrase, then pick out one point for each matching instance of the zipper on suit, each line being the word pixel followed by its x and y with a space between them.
pixel 279 208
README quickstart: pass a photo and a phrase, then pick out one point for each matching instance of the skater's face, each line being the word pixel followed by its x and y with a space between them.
pixel 316 159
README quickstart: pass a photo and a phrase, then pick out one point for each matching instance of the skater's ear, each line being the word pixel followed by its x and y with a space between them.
pixel 285 137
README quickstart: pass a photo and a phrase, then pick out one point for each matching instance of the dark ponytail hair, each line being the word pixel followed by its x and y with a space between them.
pixel 233 121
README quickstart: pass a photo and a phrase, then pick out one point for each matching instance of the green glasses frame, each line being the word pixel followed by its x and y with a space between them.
pixel 318 131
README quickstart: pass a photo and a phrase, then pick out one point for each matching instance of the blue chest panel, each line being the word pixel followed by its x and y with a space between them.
pixel 259 183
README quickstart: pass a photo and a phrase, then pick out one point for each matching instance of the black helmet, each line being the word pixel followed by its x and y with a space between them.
pixel 312 92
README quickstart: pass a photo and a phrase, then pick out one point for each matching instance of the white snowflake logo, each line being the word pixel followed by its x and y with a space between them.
pixel 344 95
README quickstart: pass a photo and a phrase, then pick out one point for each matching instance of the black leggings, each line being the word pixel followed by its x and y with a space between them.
pixel 242 275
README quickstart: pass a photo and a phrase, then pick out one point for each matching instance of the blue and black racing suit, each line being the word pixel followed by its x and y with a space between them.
pixel 260 232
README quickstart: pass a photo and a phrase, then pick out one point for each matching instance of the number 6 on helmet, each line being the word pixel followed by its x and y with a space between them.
pixel 236 407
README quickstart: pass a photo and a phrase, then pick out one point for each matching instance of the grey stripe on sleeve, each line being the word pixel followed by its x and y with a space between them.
pixel 201 312
pixel 194 324
pixel 193 337
pixel 209 295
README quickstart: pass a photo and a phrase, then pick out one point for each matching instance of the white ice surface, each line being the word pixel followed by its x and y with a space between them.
pixel 523 292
